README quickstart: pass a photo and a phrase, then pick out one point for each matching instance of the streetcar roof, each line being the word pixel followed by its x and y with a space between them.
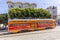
pixel 28 19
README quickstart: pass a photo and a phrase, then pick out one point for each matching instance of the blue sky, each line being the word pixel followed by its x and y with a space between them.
pixel 40 4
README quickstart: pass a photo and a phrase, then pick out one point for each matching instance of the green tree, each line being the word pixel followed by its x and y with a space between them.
pixel 4 19
pixel 28 13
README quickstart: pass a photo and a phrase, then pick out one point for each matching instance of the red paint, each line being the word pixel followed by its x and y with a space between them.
pixel 44 25
pixel 25 27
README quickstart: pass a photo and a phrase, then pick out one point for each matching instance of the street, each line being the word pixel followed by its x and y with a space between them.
pixel 49 34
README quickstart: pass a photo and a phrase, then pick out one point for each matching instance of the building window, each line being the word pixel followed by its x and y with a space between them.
pixel 11 6
pixel 53 7
pixel 19 6
pixel 53 11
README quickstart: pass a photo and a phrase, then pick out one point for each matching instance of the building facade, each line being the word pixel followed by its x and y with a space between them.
pixel 20 5
pixel 53 11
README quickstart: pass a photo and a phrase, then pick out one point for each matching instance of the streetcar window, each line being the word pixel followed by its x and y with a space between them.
pixel 26 24
pixel 45 22
pixel 41 23
pixel 13 21
pixel 11 25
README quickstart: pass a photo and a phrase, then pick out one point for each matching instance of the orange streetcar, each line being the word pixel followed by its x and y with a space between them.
pixel 17 25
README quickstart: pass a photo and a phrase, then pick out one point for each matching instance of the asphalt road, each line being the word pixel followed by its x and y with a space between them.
pixel 49 34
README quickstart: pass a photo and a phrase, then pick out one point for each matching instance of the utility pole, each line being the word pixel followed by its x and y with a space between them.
pixel 8 8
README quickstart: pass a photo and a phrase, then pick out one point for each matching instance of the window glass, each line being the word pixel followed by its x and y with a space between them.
pixel 45 22
pixel 11 6
pixel 19 6
pixel 19 24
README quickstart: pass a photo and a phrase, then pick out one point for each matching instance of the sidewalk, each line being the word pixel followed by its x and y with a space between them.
pixel 3 32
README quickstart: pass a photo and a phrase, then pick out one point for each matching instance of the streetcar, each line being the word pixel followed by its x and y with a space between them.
pixel 18 25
